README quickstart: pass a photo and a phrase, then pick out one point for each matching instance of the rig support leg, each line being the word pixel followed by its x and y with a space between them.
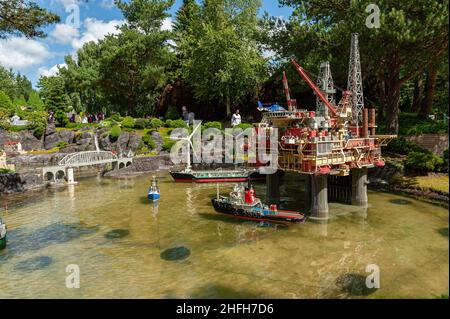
pixel 359 186
pixel 319 196
pixel 273 188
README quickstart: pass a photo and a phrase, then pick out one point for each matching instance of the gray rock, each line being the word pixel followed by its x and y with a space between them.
pixel 29 141
pixel 133 143
pixel 122 142
pixel 157 137
pixel 67 136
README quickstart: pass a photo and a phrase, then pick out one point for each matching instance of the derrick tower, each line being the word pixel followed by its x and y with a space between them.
pixel 325 84
pixel 354 84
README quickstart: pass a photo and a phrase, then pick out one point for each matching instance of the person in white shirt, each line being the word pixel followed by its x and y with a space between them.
pixel 235 119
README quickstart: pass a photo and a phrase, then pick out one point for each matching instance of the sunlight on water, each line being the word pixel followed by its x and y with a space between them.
pixel 127 247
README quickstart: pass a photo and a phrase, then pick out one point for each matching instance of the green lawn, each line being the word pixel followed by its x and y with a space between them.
pixel 438 182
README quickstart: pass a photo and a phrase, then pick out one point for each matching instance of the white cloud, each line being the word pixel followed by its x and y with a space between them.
pixel 96 30
pixel 107 4
pixel 52 71
pixel 167 24
pixel 64 33
pixel 20 53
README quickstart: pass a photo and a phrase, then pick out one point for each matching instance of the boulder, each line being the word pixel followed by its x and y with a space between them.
pixel 67 136
pixel 133 143
pixel 122 142
pixel 157 137
pixel 29 141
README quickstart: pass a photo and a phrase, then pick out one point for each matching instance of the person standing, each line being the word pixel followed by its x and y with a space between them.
pixel 185 115
pixel 236 119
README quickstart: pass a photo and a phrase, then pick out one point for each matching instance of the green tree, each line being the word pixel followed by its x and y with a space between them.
pixel 21 17
pixel 35 101
pixel 412 34
pixel 6 106
pixel 222 61
pixel 52 91
pixel 7 82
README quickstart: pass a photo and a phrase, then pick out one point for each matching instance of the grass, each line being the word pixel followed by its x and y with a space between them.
pixel 50 151
pixel 438 182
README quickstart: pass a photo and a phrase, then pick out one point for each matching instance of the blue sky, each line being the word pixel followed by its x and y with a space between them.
pixel 36 57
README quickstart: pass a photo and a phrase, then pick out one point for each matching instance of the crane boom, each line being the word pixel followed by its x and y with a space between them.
pixel 319 93
pixel 286 91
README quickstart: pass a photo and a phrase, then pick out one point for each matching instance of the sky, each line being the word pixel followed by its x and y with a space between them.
pixel 97 18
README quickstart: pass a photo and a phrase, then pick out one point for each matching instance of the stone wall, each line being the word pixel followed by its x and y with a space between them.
pixel 435 143
pixel 144 164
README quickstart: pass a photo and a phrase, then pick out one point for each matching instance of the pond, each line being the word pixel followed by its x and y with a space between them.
pixel 126 247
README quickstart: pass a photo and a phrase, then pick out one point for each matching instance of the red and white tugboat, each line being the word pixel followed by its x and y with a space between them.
pixel 243 203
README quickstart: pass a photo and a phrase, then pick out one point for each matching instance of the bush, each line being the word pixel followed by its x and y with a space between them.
pixel 168 144
pixel 172 113
pixel 128 122
pixel 61 144
pixel 156 123
pixel 176 124
pixel 61 118
pixel 140 124
pixel 149 141
pixel 208 125
pixel 404 147
pixel 18 128
pixel 116 117
pixel 423 161
pixel 243 126
pixel 74 125
pixel 115 133
pixel 39 131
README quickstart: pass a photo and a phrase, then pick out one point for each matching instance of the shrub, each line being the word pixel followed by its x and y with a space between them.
pixel 156 123
pixel 116 117
pixel 172 113
pixel 39 131
pixel 404 147
pixel 149 141
pixel 168 144
pixel 208 125
pixel 61 118
pixel 176 124
pixel 115 133
pixel 128 122
pixel 423 161
pixel 18 128
pixel 243 126
pixel 140 124
pixel 62 144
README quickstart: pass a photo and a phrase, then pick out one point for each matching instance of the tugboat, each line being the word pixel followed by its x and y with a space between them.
pixel 153 193
pixel 243 203
pixel 2 234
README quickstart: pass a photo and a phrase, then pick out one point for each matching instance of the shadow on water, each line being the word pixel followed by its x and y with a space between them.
pixel 214 291
pixel 32 264
pixel 232 220
pixel 443 231
pixel 176 253
pixel 117 233
pixel 354 284
pixel 399 201
pixel 20 242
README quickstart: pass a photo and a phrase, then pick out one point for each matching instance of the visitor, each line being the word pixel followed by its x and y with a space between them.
pixel 72 118
pixel 185 115
pixel 191 118
pixel 235 119
pixel 100 116
pixel 51 117
pixel 15 119
pixel 84 119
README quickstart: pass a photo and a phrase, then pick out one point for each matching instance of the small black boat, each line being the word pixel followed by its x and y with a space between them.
pixel 243 203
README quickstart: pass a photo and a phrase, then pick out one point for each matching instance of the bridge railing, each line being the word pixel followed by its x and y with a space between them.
pixel 87 157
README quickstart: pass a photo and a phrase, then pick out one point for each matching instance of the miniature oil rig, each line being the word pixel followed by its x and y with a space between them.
pixel 334 140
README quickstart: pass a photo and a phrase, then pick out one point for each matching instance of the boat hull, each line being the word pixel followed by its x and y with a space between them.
pixel 153 197
pixel 281 217
pixel 3 243
pixel 182 177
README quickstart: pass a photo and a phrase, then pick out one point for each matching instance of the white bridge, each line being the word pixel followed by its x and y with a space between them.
pixel 89 158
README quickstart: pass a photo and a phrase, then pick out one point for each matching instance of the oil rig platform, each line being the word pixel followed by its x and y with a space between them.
pixel 334 145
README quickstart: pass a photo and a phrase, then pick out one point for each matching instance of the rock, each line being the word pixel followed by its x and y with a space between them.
pixel 84 141
pixel 29 141
pixel 133 143
pixel 157 137
pixel 122 142
pixel 66 136
pixel 51 129
pixel 85 135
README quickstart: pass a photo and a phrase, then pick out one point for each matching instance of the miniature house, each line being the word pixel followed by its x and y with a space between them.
pixel 13 147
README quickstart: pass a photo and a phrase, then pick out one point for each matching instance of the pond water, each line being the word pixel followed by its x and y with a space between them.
pixel 128 248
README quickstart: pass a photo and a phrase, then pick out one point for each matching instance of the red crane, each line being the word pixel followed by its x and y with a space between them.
pixel 319 93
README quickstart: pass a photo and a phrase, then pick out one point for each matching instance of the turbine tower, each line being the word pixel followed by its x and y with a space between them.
pixel 325 84
pixel 354 84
